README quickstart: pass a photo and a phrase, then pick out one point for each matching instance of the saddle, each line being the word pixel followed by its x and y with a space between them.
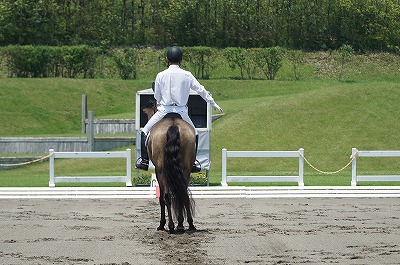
pixel 172 115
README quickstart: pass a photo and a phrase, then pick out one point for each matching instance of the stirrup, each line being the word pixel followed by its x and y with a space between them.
pixel 196 167
pixel 143 164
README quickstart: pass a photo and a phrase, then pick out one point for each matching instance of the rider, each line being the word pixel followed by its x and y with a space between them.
pixel 171 91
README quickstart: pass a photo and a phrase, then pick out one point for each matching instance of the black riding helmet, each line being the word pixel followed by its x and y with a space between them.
pixel 174 54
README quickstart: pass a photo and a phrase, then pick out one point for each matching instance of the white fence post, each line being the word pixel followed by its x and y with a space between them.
pixel 354 167
pixel 51 158
pixel 359 153
pixel 128 167
pixel 301 167
pixel 224 182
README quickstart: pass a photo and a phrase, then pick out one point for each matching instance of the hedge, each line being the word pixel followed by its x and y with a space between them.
pixel 49 61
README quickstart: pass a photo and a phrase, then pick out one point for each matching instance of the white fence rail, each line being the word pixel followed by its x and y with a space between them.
pixel 263 154
pixel 57 179
pixel 358 153
pixel 213 192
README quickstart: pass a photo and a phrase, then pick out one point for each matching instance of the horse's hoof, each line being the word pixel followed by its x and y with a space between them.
pixel 192 228
pixel 180 229
pixel 171 231
pixel 160 228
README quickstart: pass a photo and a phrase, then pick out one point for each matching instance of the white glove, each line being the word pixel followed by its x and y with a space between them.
pixel 216 107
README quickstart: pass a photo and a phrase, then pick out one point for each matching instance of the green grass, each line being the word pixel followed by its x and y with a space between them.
pixel 322 115
pixel 53 105
pixel 327 119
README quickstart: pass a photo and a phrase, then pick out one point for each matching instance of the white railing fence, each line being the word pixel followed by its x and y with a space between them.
pixel 263 154
pixel 57 179
pixel 357 153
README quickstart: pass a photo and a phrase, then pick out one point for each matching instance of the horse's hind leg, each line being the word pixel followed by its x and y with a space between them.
pixel 180 228
pixel 171 225
pixel 162 206
pixel 192 228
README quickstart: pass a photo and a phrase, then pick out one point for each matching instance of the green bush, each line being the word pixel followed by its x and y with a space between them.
pixel 144 178
pixel 345 54
pixel 296 57
pixel 78 60
pixel 203 62
pixel 27 61
pixel 199 179
pixel 47 61
pixel 200 59
pixel 126 61
pixel 239 57
pixel 269 60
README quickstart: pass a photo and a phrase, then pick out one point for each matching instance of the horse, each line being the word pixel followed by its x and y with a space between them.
pixel 171 148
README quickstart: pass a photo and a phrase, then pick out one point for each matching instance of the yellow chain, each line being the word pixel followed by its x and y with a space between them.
pixel 26 163
pixel 330 172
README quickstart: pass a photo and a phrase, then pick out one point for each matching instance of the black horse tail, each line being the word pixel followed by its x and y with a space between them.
pixel 174 172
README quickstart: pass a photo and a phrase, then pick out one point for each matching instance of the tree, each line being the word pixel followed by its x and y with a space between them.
pixel 345 54
pixel 200 59
pixel 29 22
pixel 239 57
pixel 300 24
pixel 296 57
pixel 126 61
pixel 269 60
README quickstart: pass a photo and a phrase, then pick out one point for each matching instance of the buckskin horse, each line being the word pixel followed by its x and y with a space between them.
pixel 171 148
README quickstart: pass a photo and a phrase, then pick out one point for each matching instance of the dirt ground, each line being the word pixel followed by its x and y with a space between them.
pixel 230 231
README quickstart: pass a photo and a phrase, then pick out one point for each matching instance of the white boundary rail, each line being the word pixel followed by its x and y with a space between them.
pixel 357 153
pixel 267 154
pixel 55 179
pixel 203 192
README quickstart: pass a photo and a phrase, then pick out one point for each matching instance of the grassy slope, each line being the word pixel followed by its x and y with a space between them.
pixel 325 117
pixel 53 106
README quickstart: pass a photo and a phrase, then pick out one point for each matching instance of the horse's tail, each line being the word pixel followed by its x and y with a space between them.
pixel 175 172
